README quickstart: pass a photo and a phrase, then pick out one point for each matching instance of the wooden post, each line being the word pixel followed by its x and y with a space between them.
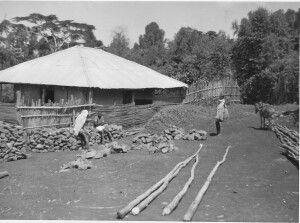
pixel 18 93
pixel 133 97
pixel 90 96
pixel 0 92
pixel 73 116
pixel 43 95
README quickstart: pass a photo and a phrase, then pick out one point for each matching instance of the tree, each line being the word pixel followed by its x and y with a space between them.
pixel 120 42
pixel 58 33
pixel 20 42
pixel 14 42
pixel 265 41
pixel 195 55
pixel 151 46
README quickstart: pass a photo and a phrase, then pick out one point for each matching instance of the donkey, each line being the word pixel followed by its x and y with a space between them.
pixel 265 112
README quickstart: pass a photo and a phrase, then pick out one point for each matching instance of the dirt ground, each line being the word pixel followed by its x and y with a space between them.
pixel 255 184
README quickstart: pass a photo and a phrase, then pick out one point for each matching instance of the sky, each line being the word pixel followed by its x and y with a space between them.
pixel 108 16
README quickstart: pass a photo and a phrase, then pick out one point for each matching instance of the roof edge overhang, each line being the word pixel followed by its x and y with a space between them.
pixel 2 82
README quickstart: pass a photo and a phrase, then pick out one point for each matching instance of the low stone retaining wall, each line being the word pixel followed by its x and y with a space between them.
pixel 12 142
pixel 55 140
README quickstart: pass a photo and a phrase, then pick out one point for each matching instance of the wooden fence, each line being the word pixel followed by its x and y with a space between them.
pixel 58 116
pixel 9 113
pixel 204 91
pixel 50 116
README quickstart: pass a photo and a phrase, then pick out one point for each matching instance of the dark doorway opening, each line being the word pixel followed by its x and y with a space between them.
pixel 142 101
pixel 127 96
pixel 49 95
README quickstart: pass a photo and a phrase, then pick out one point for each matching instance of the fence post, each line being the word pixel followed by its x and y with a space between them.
pixel 18 93
pixel 73 115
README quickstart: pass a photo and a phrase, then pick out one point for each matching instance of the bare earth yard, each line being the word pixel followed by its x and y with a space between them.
pixel 256 183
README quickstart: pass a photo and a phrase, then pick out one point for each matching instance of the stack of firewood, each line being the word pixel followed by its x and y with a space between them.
pixel 13 144
pixel 289 140
pixel 195 134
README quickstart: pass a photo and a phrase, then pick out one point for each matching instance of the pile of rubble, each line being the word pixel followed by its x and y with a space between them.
pixel 96 152
pixel 173 133
pixel 164 143
pixel 13 144
pixel 195 134
pixel 55 140
pixel 153 143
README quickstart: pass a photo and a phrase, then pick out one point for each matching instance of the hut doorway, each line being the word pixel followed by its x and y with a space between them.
pixel 127 96
pixel 48 94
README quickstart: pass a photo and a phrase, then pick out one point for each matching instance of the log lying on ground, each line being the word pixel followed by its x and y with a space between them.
pixel 150 198
pixel 173 204
pixel 190 212
pixel 123 212
pixel 3 174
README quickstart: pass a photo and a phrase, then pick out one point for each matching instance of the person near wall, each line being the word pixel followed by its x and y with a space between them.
pixel 222 113
pixel 101 125
pixel 78 129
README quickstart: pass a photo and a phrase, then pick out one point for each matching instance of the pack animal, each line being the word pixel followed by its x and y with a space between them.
pixel 265 112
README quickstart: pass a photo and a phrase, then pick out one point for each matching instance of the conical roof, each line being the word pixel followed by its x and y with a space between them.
pixel 87 67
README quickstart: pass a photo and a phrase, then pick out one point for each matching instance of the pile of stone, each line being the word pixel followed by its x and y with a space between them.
pixel 153 143
pixel 55 140
pixel 116 132
pixel 173 133
pixel 13 144
pixel 195 134
pixel 147 139
pixel 163 147
pixel 52 140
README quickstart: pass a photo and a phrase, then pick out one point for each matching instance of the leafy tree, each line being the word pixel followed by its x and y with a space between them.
pixel 20 42
pixel 151 46
pixel 120 42
pixel 195 55
pixel 265 41
pixel 58 33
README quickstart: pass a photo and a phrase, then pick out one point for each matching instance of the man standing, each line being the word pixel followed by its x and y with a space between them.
pixel 222 113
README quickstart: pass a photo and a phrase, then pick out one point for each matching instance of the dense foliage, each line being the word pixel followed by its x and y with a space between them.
pixel 264 56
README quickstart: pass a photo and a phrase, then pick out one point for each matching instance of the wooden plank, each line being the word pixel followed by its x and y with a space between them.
pixel 49 115
pixel 56 107
pixel 42 126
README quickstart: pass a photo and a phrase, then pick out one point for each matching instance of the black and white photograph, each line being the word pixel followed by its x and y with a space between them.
pixel 123 111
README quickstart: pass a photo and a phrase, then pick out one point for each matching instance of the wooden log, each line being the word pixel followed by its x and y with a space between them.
pixel 136 210
pixel 292 149
pixel 190 212
pixel 123 212
pixel 3 174
pixel 289 135
pixel 173 204
pixel 293 134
